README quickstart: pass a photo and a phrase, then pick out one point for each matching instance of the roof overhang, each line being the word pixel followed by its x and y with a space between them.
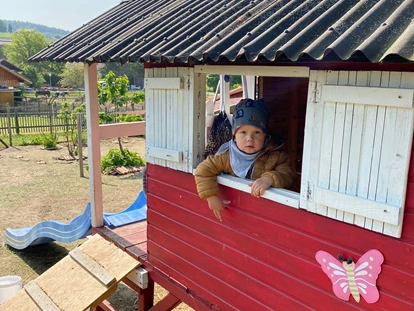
pixel 244 31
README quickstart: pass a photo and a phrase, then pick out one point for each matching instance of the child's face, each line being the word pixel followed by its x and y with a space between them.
pixel 249 138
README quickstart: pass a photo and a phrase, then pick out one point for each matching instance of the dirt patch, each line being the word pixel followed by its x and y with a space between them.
pixel 36 186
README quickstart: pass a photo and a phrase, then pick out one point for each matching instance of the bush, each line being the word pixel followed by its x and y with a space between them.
pixel 114 158
pixel 131 118
pixel 49 140
pixel 37 140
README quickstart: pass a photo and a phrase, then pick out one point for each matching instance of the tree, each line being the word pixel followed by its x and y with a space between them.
pixel 2 52
pixel 3 27
pixel 26 43
pixel 134 71
pixel 10 28
pixel 72 75
pixel 114 91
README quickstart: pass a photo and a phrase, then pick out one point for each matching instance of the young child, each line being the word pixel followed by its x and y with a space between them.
pixel 250 154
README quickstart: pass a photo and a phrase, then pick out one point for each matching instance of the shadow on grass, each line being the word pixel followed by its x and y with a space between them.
pixel 41 257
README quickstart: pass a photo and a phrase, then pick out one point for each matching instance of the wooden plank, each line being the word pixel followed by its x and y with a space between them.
pixel 264 282
pixel 92 267
pixel 166 154
pixel 121 129
pixel 174 195
pixel 279 195
pixel 352 204
pixel 39 296
pixel 175 83
pixel 279 238
pixel 363 95
pixel 338 237
pixel 263 71
pixel 71 287
pixel 20 301
pixel 313 124
pixel 224 289
pixel 150 116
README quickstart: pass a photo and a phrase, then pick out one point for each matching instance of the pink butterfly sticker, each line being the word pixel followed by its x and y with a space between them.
pixel 349 278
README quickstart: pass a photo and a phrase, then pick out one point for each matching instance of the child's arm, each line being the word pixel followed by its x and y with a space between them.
pixel 206 176
pixel 282 175
pixel 206 182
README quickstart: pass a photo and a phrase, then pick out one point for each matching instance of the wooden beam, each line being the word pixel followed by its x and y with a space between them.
pixel 94 144
pixel 263 71
pixel 164 83
pixel 279 195
pixel 364 95
pixel 146 297
pixel 93 267
pixel 39 297
pixel 121 129
pixel 167 303
pixel 165 154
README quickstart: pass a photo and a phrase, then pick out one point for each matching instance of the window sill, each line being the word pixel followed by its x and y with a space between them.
pixel 283 196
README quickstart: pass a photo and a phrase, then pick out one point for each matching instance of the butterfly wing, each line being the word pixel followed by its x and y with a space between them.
pixel 336 273
pixel 366 272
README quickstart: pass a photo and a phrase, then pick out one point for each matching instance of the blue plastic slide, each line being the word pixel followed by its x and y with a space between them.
pixel 51 230
pixel 136 212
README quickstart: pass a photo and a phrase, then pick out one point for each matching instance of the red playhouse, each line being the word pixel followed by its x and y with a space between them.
pixel 338 79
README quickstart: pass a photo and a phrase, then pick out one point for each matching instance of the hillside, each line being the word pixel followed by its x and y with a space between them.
pixel 49 32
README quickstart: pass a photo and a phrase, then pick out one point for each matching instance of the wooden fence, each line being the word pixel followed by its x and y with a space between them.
pixel 22 122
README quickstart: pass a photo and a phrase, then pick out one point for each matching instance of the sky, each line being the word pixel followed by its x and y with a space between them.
pixel 64 14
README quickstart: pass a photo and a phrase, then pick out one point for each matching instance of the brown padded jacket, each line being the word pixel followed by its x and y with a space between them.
pixel 272 162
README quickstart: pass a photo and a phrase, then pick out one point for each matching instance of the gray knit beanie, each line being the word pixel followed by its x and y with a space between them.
pixel 250 112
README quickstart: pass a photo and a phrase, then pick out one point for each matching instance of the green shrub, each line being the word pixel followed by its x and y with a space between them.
pixel 49 140
pixel 36 140
pixel 131 118
pixel 114 158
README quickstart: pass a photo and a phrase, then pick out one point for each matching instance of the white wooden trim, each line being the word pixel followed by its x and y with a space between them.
pixel 165 154
pixel 94 144
pixel 122 129
pixel 263 71
pixel 139 276
pixel 391 97
pixel 224 94
pixel 282 196
pixel 176 83
pixel 363 207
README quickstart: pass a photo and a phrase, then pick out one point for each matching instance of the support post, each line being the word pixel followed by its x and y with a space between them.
pixel 146 297
pixel 80 143
pixel 9 125
pixel 94 150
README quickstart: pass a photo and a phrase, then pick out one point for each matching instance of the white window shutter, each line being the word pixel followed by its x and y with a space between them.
pixel 175 100
pixel 357 153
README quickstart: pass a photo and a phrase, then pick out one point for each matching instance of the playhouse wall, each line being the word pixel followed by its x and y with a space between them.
pixel 262 256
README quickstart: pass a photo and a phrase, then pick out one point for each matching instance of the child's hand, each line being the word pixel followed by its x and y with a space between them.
pixel 216 205
pixel 260 185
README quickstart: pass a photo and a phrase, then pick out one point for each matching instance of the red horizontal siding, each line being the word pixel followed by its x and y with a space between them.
pixel 268 245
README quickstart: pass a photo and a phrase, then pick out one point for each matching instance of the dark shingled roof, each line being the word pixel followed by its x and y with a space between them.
pixel 214 31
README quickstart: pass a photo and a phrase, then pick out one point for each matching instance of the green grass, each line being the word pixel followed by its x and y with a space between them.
pixel 28 139
pixel 5 35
